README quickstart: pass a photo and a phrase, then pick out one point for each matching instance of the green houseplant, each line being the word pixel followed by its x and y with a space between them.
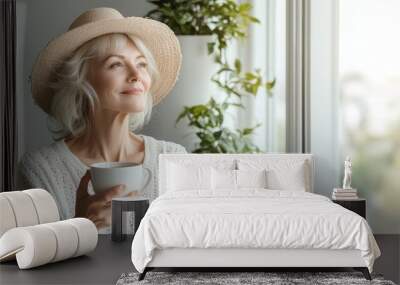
pixel 226 20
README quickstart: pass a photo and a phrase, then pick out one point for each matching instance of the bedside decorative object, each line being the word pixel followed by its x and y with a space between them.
pixel 347 173
pixel 346 192
pixel 357 205
pixel 138 205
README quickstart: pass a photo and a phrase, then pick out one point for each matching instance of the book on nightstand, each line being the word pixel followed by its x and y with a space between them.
pixel 344 194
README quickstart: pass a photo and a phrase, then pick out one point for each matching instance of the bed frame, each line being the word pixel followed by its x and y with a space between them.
pixel 249 259
pixel 246 259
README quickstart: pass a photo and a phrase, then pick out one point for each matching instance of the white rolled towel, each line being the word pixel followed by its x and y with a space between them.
pixel 26 208
pixel 45 206
pixel 45 243
pixel 7 218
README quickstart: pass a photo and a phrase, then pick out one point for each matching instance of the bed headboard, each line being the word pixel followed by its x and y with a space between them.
pixel 235 159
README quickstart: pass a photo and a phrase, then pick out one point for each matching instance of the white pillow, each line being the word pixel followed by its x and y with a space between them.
pixel 251 178
pixel 185 177
pixel 236 179
pixel 282 174
pixel 223 179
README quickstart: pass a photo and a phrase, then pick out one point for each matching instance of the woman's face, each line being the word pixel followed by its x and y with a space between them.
pixel 121 79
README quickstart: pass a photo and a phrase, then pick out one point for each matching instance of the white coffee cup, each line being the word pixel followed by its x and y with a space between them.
pixel 105 175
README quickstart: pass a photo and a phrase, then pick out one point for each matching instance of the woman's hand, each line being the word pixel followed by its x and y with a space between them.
pixel 96 207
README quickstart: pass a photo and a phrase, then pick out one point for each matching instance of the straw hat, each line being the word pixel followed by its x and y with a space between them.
pixel 157 37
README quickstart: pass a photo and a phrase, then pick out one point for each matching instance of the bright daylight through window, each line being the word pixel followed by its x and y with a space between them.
pixel 369 73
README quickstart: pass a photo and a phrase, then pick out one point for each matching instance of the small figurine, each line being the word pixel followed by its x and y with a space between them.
pixel 347 173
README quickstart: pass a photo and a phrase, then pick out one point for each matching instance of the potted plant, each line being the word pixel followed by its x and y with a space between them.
pixel 226 20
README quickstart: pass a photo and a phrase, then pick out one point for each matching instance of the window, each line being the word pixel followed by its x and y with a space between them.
pixel 369 100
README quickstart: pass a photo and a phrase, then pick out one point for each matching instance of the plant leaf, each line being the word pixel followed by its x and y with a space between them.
pixel 270 84
pixel 238 66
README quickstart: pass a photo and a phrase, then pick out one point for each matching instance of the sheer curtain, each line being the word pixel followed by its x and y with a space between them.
pixel 7 95
pixel 323 83
pixel 264 48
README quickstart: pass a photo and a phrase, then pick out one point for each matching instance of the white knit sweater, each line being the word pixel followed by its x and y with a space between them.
pixel 56 169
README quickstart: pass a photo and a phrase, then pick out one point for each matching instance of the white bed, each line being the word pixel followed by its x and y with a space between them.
pixel 196 224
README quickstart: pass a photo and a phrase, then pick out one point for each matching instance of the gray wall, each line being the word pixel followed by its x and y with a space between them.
pixel 38 22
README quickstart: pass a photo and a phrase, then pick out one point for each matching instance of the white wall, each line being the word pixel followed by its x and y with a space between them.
pixel 38 22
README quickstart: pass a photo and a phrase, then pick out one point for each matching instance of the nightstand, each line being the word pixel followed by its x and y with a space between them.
pixel 358 206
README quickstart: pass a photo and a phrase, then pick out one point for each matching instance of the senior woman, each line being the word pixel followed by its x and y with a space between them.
pixel 99 82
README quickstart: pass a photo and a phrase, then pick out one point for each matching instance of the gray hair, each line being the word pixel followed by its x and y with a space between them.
pixel 74 98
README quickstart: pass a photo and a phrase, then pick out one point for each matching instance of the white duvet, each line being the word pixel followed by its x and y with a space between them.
pixel 251 218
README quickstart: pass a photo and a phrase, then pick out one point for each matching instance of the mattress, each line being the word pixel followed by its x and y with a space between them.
pixel 250 219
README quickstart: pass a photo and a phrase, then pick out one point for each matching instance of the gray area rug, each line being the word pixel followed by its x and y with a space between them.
pixel 228 278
